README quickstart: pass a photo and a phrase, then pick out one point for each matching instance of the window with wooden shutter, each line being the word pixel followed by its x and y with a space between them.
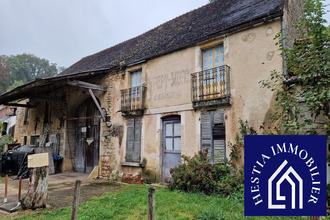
pixel 133 140
pixel 213 135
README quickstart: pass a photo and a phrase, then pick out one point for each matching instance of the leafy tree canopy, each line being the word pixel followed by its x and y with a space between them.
pixel 23 68
pixel 4 73
pixel 15 84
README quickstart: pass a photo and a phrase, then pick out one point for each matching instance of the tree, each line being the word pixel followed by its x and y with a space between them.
pixel 4 73
pixel 27 67
pixel 328 30
pixel 302 93
pixel 20 69
pixel 15 84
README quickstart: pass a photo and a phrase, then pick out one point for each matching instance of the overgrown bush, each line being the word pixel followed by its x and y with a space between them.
pixel 6 140
pixel 198 174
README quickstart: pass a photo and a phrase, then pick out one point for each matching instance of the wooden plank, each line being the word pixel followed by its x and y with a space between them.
pixel 38 160
pixel 87 85
pixel 97 104
pixel 81 118
pixel 151 203
pixel 20 105
pixel 75 203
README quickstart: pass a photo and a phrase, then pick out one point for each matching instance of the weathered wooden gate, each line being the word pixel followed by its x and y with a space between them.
pixel 171 145
pixel 87 137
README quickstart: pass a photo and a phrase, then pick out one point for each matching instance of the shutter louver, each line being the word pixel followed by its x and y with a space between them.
pixel 137 141
pixel 130 140
pixel 212 123
pixel 219 143
pixel 219 118
pixel 206 133
pixel 219 150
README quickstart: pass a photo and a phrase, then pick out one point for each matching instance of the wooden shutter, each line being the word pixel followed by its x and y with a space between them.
pixel 206 133
pixel 130 140
pixel 219 143
pixel 215 145
pixel 133 141
pixel 137 141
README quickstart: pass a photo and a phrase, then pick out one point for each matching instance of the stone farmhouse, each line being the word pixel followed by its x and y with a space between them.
pixel 174 90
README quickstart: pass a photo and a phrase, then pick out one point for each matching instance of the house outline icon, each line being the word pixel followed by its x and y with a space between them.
pixel 285 176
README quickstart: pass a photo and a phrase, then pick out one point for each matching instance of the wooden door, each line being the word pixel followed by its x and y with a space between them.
pixel 171 146
pixel 87 137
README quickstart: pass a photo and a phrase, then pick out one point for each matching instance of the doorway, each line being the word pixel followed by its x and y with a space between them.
pixel 171 145
pixel 87 137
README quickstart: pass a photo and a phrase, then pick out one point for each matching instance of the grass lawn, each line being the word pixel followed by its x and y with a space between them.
pixel 130 202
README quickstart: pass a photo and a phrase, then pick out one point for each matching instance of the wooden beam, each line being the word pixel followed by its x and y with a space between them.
pixel 97 104
pixel 49 97
pixel 20 105
pixel 81 118
pixel 86 85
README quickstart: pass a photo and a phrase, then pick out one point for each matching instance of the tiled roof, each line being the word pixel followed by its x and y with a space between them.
pixel 217 18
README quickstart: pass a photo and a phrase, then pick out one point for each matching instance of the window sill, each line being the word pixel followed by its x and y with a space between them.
pixel 131 164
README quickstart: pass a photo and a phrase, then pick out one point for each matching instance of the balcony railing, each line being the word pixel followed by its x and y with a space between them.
pixel 132 99
pixel 211 87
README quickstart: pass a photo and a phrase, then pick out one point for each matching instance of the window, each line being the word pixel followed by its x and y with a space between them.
pixel 213 135
pixel 172 135
pixel 47 115
pixel 25 140
pixel 133 141
pixel 136 83
pixel 34 140
pixel 27 116
pixel 213 58
pixel 4 128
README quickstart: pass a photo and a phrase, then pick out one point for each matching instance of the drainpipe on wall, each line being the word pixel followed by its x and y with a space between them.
pixel 284 47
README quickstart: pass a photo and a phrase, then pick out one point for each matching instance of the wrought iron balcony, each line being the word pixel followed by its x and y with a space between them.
pixel 211 87
pixel 132 100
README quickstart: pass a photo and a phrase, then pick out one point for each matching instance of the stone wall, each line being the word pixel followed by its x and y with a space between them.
pixel 292 15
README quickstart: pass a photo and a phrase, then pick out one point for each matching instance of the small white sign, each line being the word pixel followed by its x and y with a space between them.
pixel 38 160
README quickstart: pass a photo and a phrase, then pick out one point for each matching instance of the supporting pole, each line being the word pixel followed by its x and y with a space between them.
pixel 151 203
pixel 19 189
pixel 6 189
pixel 75 203
pixel 97 104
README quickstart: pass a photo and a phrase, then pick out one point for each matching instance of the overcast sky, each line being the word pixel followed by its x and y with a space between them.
pixel 64 31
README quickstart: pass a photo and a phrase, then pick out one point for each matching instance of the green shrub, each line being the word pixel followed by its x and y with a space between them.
pixel 6 140
pixel 197 174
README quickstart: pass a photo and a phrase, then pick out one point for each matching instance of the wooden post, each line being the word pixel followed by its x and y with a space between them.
pixel 151 203
pixel 19 188
pixel 36 196
pixel 315 217
pixel 6 189
pixel 75 203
